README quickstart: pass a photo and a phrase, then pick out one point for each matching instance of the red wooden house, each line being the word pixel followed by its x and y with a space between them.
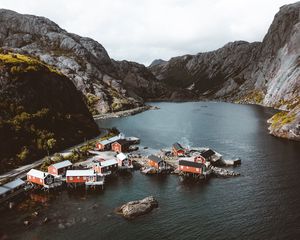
pixel 123 161
pixel 105 145
pixel 191 167
pixel 84 177
pixel 157 162
pixel 80 176
pixel 121 145
pixel 178 150
pixel 40 178
pixel 106 167
pixel 59 168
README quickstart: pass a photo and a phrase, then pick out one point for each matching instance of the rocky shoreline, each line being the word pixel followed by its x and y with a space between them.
pixel 124 113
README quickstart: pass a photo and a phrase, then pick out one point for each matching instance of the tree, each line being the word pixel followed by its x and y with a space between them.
pixel 23 154
pixel 50 144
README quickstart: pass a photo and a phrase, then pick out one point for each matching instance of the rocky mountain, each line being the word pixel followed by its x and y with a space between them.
pixel 41 111
pixel 266 72
pixel 108 85
pixel 157 62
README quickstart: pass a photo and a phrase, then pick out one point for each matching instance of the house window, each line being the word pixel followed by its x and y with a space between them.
pixel 29 177
pixel 181 167
pixel 84 178
pixel 197 169
pixel 41 180
pixel 78 177
pixel 71 178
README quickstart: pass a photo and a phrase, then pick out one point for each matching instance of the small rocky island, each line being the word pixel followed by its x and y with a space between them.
pixel 137 208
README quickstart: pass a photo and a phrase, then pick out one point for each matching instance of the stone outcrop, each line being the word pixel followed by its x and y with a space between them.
pixel 266 73
pixel 134 209
pixel 286 124
pixel 116 85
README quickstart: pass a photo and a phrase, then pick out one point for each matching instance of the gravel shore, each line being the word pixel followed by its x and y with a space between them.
pixel 124 113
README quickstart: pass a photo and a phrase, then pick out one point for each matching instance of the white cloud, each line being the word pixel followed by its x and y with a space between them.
pixel 143 30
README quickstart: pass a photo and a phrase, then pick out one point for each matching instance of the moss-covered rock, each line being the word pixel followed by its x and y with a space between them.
pixel 91 102
pixel 253 97
pixel 286 124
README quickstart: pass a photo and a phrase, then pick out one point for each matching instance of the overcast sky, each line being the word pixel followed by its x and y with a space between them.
pixel 144 30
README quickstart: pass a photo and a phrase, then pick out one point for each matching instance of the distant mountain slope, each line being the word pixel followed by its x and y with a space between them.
pixel 114 85
pixel 157 62
pixel 266 72
pixel 40 111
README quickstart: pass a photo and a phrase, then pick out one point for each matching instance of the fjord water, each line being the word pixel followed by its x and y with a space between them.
pixel 263 203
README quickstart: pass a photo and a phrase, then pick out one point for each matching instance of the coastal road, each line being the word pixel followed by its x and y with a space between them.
pixel 21 171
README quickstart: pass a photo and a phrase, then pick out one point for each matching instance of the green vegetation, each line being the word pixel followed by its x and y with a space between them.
pixel 51 160
pixel 290 104
pixel 22 63
pixel 26 136
pixel 36 119
pixel 119 103
pixel 78 154
pixel 91 100
pixel 254 96
pixel 282 118
pixel 81 154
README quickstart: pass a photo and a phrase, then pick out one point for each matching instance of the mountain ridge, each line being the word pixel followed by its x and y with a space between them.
pixel 116 85
pixel 265 73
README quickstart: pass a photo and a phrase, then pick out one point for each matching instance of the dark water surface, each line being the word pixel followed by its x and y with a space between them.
pixel 263 203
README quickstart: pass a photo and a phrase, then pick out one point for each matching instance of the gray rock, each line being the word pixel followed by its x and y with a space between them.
pixel 265 73
pixel 286 124
pixel 119 85
pixel 134 209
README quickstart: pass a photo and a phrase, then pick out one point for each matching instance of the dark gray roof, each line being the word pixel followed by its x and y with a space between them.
pixel 208 153
pixel 155 158
pixel 11 185
pixel 177 146
pixel 190 164
pixel 123 142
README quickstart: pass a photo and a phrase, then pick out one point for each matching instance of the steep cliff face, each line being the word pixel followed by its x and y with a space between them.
pixel 40 111
pixel 266 72
pixel 277 70
pixel 206 73
pixel 113 85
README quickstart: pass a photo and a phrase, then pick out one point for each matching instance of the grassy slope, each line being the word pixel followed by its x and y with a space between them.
pixel 40 111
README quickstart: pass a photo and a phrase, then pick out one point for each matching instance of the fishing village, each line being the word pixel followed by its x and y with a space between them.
pixel 108 157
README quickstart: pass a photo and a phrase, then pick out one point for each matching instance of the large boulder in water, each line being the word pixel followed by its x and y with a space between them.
pixel 134 209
